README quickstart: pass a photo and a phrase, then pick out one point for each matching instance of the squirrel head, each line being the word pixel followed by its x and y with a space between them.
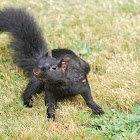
pixel 50 68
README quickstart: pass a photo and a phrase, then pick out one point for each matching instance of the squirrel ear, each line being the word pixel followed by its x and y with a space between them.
pixel 65 61
pixel 50 53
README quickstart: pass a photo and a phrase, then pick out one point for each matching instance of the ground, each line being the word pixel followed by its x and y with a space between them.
pixel 106 34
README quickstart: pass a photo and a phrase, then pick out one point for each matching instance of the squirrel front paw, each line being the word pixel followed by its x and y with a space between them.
pixel 27 104
pixel 51 116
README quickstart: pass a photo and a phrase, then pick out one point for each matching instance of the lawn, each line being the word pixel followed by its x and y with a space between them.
pixel 106 34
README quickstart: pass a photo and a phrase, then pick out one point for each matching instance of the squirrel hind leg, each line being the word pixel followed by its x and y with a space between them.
pixel 85 66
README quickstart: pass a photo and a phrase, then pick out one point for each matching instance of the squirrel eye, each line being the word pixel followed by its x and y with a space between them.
pixel 54 67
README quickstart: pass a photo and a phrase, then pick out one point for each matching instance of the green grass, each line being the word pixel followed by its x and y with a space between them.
pixel 106 34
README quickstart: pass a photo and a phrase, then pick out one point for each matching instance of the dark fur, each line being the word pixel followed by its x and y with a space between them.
pixel 27 40
pixel 60 72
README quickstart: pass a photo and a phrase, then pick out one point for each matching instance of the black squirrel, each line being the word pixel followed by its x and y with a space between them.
pixel 60 72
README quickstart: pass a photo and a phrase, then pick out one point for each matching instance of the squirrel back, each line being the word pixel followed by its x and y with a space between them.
pixel 27 41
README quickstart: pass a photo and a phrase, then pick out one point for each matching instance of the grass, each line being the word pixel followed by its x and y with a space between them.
pixel 106 34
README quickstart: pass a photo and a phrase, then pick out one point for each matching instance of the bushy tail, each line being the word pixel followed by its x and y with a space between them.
pixel 27 41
